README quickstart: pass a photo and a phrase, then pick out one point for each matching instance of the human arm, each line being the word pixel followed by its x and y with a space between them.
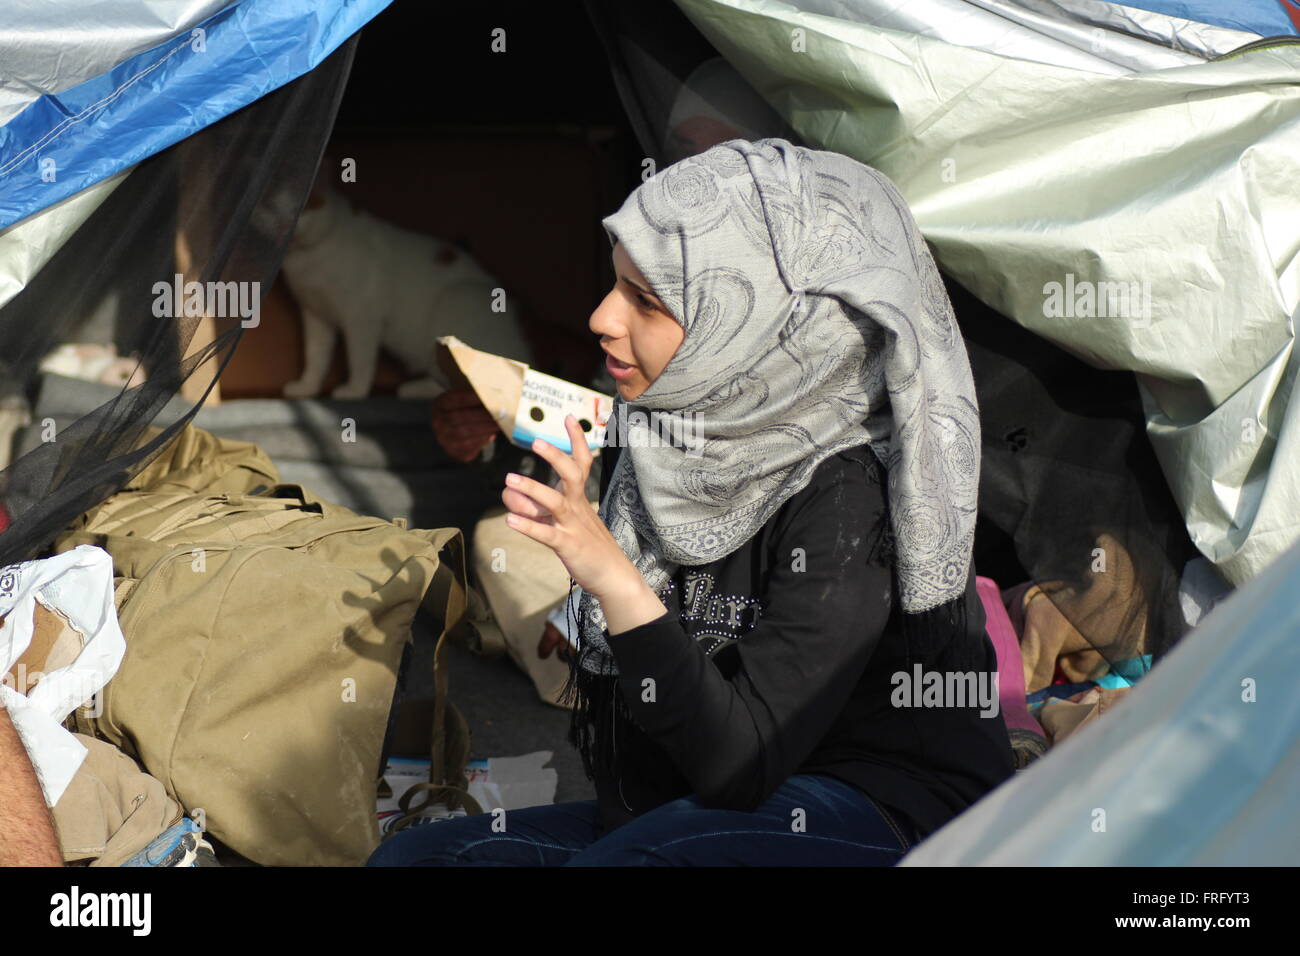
pixel 27 836
pixel 563 520
pixel 736 740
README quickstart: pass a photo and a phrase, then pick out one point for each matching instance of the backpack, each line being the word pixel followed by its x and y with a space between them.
pixel 265 629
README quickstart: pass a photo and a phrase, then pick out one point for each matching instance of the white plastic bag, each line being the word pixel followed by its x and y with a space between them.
pixel 78 584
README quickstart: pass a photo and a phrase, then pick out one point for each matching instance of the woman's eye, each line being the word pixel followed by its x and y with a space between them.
pixel 646 303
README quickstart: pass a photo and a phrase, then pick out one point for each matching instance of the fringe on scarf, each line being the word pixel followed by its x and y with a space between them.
pixel 599 715
pixel 940 634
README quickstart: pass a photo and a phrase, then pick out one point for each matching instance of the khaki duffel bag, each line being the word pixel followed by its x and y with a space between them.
pixel 264 631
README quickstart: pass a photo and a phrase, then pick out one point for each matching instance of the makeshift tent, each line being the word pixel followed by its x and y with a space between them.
pixel 1038 141
pixel 1115 181
pixel 154 157
pixel 145 142
pixel 1083 142
pixel 1089 177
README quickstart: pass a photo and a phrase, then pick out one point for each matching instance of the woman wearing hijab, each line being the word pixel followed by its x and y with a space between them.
pixel 779 637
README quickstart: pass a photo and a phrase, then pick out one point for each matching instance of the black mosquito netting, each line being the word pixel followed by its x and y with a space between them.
pixel 218 206
pixel 1072 498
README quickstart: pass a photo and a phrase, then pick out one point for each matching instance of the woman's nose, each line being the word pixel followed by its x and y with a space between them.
pixel 606 321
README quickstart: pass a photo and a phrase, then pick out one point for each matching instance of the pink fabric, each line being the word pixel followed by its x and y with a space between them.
pixel 1011 671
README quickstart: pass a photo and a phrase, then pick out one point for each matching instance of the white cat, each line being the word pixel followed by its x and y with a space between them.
pixel 384 286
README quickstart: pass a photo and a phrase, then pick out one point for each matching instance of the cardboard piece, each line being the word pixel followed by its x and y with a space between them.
pixel 79 584
pixel 527 404
pixel 55 643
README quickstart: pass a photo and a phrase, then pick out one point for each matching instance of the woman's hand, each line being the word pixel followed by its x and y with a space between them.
pixel 564 521
pixel 461 424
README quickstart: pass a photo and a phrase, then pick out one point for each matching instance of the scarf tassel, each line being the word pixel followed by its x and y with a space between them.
pixel 599 717
pixel 940 636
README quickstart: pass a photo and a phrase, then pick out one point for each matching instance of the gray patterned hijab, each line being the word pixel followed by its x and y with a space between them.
pixel 815 321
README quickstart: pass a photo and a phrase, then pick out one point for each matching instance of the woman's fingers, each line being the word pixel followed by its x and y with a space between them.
pixel 574 468
pixel 544 495
pixel 535 499
pixel 578 439
pixel 563 464
pixel 523 505
pixel 547 534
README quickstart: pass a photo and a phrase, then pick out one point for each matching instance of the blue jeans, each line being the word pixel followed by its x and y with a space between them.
pixel 838 826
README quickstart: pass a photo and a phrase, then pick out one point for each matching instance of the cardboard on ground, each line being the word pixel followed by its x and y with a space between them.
pixel 526 403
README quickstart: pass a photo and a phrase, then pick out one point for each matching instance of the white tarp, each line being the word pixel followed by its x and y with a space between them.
pixel 51 47
pixel 1008 28
pixel 48 49
pixel 1145 220
pixel 26 246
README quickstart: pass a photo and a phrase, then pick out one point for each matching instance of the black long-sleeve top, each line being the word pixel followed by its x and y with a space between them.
pixel 780 659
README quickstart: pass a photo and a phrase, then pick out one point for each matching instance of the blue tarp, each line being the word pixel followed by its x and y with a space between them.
pixel 1268 18
pixel 65 142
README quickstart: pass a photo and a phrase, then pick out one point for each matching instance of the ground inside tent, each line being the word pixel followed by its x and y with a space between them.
pixel 505 715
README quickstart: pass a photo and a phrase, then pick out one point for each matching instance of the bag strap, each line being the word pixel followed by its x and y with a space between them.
pixel 454 793
pixel 446 596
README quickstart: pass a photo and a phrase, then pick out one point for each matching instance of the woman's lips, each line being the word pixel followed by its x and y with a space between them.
pixel 620 370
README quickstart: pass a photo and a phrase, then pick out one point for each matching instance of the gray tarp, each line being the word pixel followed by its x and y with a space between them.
pixel 1199 766
pixel 1142 217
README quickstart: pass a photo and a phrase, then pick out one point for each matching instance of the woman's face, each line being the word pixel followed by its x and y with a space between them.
pixel 639 335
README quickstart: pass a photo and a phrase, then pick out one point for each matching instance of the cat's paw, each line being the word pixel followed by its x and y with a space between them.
pixel 350 390
pixel 300 388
